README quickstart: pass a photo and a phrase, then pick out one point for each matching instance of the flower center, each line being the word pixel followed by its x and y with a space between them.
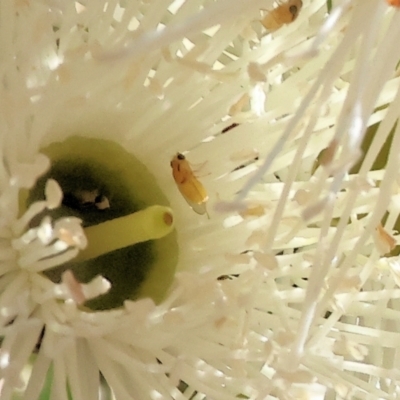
pixel 102 182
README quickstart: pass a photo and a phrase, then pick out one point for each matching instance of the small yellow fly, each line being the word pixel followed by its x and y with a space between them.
pixel 190 187
pixel 285 13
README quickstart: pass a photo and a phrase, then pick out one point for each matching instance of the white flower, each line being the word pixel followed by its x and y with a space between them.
pixel 312 304
pixel 58 82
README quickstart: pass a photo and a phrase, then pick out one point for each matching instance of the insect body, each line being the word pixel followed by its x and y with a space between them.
pixel 285 13
pixel 190 187
pixel 394 3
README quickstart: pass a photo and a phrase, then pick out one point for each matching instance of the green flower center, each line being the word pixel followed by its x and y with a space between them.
pixel 102 182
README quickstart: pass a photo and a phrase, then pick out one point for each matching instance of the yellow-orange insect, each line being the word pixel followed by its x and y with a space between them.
pixel 394 3
pixel 190 187
pixel 285 13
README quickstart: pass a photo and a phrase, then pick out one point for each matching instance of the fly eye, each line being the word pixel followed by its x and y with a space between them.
pixel 180 156
pixel 293 10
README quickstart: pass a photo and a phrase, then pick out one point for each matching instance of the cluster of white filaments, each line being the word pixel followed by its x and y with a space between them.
pixel 293 294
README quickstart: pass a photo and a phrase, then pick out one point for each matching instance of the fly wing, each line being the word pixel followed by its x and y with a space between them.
pixel 195 195
pixel 198 208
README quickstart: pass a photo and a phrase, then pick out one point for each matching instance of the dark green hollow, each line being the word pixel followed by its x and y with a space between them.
pixel 106 171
